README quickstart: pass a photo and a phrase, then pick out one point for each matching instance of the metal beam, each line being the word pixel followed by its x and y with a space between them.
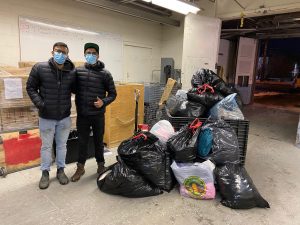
pixel 130 12
pixel 277 28
pixel 239 30
pixel 294 35
pixel 280 27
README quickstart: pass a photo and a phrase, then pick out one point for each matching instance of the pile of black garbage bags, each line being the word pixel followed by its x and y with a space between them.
pixel 142 168
pixel 203 158
pixel 209 96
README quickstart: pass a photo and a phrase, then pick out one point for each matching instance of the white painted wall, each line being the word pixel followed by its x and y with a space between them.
pixel 227 9
pixel 133 31
pixel 172 43
pixel 245 67
pixel 160 40
pixel 200 46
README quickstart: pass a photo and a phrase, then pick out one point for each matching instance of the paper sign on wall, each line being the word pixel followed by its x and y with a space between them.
pixel 13 88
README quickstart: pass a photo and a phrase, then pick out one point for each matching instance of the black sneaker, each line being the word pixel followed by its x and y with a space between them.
pixel 101 168
pixel 61 176
pixel 44 181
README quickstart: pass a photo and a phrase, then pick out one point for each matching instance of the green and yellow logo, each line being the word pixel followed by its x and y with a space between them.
pixel 195 186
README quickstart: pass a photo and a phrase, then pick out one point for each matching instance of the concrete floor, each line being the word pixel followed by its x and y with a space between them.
pixel 283 100
pixel 272 162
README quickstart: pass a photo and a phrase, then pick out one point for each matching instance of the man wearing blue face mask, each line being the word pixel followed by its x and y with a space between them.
pixel 95 90
pixel 49 86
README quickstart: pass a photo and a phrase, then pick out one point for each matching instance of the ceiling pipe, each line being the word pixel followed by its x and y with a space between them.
pixel 240 5
pixel 284 8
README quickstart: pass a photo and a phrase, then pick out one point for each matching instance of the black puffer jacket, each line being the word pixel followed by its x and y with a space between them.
pixel 50 89
pixel 93 81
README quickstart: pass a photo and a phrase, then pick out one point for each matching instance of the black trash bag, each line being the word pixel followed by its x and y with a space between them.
pixel 174 102
pixel 119 179
pixel 225 146
pixel 207 99
pixel 198 78
pixel 237 188
pixel 183 145
pixel 145 154
pixel 190 109
pixel 212 78
pixel 205 76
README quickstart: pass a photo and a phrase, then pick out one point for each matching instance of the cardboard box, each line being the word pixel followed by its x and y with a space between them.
pixel 73 122
pixel 78 63
pixel 73 108
pixel 27 64
pixel 120 115
pixel 18 118
pixel 14 102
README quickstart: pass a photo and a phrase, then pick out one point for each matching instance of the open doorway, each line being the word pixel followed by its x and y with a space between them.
pixel 277 73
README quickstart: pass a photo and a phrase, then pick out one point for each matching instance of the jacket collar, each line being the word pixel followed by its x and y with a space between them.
pixel 98 66
pixel 68 65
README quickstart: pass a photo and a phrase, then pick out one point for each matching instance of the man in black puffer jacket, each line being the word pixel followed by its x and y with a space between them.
pixel 95 90
pixel 49 86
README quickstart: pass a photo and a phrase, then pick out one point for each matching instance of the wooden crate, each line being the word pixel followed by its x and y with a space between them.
pixel 20 151
pixel 119 116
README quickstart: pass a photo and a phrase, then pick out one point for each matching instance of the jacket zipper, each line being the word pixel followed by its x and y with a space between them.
pixel 86 91
pixel 59 81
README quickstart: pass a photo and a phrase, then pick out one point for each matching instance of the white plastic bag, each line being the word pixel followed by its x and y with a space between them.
pixel 163 129
pixel 196 179
pixel 181 94
pixel 227 109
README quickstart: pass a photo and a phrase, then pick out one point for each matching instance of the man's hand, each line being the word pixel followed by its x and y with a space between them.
pixel 99 103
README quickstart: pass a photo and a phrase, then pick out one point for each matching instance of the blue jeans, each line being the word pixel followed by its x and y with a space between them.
pixel 50 129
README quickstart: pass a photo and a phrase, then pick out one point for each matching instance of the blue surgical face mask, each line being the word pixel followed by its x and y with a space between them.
pixel 59 57
pixel 91 59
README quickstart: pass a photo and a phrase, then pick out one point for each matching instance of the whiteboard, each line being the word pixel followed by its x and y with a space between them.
pixel 37 39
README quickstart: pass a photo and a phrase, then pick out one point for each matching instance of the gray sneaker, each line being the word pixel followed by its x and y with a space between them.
pixel 44 181
pixel 61 176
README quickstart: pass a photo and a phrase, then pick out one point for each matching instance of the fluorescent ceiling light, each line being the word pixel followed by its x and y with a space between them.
pixel 175 5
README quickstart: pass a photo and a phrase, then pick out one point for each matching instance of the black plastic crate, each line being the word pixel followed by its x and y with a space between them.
pixel 241 128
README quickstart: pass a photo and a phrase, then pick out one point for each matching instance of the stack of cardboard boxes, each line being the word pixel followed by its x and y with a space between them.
pixel 20 142
pixel 16 113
